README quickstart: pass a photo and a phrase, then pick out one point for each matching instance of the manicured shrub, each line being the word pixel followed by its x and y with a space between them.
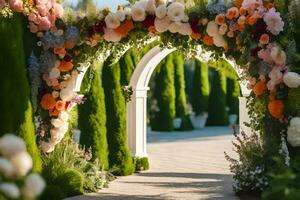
pixel 92 117
pixel 16 109
pixel 53 192
pixel 127 66
pixel 71 182
pixel 141 164
pixel 233 94
pixel 293 99
pixel 165 95
pixel 120 160
pixel 180 97
pixel 217 114
pixel 200 88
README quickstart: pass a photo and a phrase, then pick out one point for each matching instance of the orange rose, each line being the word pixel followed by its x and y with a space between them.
pixel 276 108
pixel 60 51
pixel 65 66
pixel 60 105
pixel 238 3
pixel 124 28
pixel 48 102
pixel 243 11
pixel 220 19
pixel 207 40
pixel 152 29
pixel 196 36
pixel 259 88
pixel 269 5
pixel 230 34
pixel 264 39
pixel 232 13
pixel 53 113
pixel 251 20
pixel 69 45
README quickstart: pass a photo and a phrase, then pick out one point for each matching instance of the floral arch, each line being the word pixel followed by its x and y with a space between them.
pixel 255 33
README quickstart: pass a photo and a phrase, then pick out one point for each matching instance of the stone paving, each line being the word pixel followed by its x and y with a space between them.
pixel 184 166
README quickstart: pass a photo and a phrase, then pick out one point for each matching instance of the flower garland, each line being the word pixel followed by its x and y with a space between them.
pixel 248 31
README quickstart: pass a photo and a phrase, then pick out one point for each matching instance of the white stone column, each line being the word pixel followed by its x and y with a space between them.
pixel 137 122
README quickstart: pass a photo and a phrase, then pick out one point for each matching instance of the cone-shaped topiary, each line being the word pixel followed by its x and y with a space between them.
pixel 165 95
pixel 180 97
pixel 127 65
pixel 16 109
pixel 233 94
pixel 200 89
pixel 92 117
pixel 217 114
pixel 120 160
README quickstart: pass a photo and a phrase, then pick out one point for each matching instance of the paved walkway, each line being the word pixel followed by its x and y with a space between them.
pixel 184 166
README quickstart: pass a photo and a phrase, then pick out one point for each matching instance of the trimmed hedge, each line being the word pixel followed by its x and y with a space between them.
pixel 92 117
pixel 165 95
pixel 141 164
pixel 200 89
pixel 120 160
pixel 71 182
pixel 217 114
pixel 16 109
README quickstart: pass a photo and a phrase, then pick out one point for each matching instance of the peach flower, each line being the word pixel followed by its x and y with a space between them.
pixel 264 39
pixel 44 23
pixel 16 5
pixel 220 19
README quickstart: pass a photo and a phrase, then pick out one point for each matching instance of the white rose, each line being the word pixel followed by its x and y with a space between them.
pixel 10 190
pixel 219 41
pixel 111 36
pixel 112 21
pixel 47 147
pixel 64 116
pixel 66 94
pixel 57 122
pixel 278 56
pixel 175 12
pixel 174 27
pixel 10 145
pixel 291 79
pixel 138 13
pixel 212 29
pixel 223 29
pixel 161 11
pixel 185 29
pixel 162 25
pixel 54 73
pixel 34 186
pixel 56 136
pixel 22 163
pixel 121 15
pixel 142 4
pixel 295 122
pixel 150 6
pixel 6 167
pixel 127 11
pixel 293 132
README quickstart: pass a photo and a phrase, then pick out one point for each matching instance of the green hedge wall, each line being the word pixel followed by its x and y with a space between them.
pixel 16 109
pixel 217 114
pixel 120 160
pixel 92 117
pixel 200 89
pixel 165 95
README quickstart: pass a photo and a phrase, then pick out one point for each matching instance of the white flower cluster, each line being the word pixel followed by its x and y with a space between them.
pixel 15 163
pixel 291 79
pixel 216 32
pixel 293 132
pixel 284 151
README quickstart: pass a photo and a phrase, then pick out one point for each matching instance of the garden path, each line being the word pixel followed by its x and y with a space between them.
pixel 184 166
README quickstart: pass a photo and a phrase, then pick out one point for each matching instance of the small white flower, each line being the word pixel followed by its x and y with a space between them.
pixel 291 79
pixel 175 12
pixel 138 13
pixel 6 167
pixel 47 147
pixel 112 21
pixel 10 190
pixel 34 186
pixel 22 163
pixel 161 11
pixel 10 145
pixel 293 132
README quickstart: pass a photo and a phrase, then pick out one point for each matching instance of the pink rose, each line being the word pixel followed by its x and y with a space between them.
pixel 16 5
pixel 273 21
pixel 52 19
pixel 42 9
pixel 39 2
pixel 58 10
pixel 44 23
pixel 2 3
pixel 276 75
pixel 33 28
pixel 33 18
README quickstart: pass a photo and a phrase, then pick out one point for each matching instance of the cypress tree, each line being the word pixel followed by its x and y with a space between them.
pixel 233 93
pixel 127 64
pixel 16 109
pixel 200 89
pixel 92 116
pixel 120 160
pixel 165 95
pixel 217 114
pixel 180 96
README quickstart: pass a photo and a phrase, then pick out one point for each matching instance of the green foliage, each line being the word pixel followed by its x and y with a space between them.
pixel 141 164
pixel 92 118
pixel 52 192
pixel 128 63
pixel 293 99
pixel 165 95
pixel 217 114
pixel 200 89
pixel 120 160
pixel 232 95
pixel 16 110
pixel 67 157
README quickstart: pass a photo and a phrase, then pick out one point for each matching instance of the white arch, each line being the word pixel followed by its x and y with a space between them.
pixel 137 107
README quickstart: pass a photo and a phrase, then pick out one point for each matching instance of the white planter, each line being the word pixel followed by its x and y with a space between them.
pixel 233 119
pixel 177 123
pixel 199 121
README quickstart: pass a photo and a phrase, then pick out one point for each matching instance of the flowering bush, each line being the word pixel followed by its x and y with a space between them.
pixel 15 164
